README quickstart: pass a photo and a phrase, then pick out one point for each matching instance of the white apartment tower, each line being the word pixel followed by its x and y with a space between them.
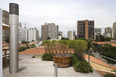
pixel 33 34
pixel 71 35
pixel 22 33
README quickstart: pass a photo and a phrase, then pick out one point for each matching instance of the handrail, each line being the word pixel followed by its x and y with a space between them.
pixel 109 58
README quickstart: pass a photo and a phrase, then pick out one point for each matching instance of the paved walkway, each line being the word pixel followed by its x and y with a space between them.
pixel 35 67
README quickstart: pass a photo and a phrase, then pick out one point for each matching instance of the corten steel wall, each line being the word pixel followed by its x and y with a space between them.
pixel 0 42
pixel 86 29
pixel 13 22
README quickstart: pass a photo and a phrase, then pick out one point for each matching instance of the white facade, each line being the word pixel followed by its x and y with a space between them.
pixel 71 35
pixel 109 32
pixel 107 35
pixel 60 35
pixel 33 34
pixel 1 69
pixel 112 33
pixel 22 33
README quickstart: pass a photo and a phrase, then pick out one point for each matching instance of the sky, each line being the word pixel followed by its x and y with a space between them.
pixel 64 13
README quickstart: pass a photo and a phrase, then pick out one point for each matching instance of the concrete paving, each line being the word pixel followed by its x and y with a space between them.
pixel 35 67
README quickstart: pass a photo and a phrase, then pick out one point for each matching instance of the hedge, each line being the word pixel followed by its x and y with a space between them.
pixel 81 65
pixel 47 57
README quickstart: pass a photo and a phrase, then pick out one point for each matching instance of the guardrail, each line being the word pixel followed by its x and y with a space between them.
pixel 104 58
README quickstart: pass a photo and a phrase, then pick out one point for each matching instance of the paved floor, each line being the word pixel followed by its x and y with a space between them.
pixel 35 67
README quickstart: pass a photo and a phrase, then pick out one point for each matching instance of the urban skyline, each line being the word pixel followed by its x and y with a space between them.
pixel 58 12
pixel 84 52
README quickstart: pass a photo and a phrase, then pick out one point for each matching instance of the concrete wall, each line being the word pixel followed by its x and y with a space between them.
pixel 0 43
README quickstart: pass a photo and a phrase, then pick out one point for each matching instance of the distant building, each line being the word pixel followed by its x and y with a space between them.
pixel 114 27
pixel 109 32
pixel 85 29
pixel 60 34
pixel 97 32
pixel 71 35
pixel 22 33
pixel 49 30
pixel 5 24
pixel 33 34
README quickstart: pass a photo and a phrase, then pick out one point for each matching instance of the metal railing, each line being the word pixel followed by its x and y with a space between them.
pixel 104 58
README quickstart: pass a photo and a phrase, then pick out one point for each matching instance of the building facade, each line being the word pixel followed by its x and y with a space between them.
pixel 5 24
pixel 49 31
pixel 114 27
pixel 109 32
pixel 22 33
pixel 97 32
pixel 60 34
pixel 71 35
pixel 32 34
pixel 85 28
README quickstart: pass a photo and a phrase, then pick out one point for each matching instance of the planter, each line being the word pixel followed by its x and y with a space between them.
pixel 62 60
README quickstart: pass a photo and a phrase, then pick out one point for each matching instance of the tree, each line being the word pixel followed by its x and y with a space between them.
pixel 63 38
pixel 48 38
pixel 79 47
pixel 100 38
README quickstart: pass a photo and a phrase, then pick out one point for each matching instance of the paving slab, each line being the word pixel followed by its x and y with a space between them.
pixel 35 67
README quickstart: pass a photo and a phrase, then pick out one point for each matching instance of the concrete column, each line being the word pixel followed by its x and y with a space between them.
pixel 13 22
pixel 1 43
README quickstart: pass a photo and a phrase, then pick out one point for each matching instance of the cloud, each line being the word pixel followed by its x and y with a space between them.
pixel 65 13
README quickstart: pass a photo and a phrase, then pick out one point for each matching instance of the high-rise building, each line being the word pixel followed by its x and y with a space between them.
pixel 71 35
pixel 97 32
pixel 49 30
pixel 5 24
pixel 60 35
pixel 114 27
pixel 33 34
pixel 44 32
pixel 109 32
pixel 22 33
pixel 85 29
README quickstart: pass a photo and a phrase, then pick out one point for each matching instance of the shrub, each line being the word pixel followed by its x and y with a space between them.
pixel 24 42
pixel 81 65
pixel 32 46
pixel 47 57
pixel 23 48
pixel 114 70
pixel 109 75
